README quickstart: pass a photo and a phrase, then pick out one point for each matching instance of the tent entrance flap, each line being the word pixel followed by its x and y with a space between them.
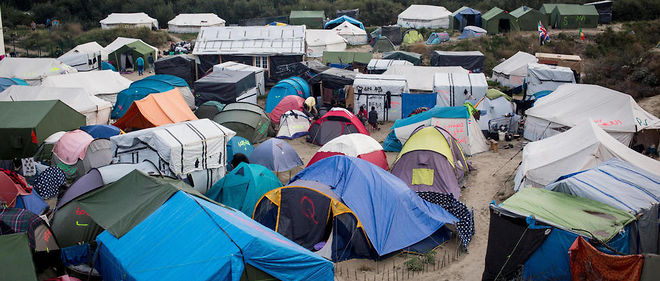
pixel 504 25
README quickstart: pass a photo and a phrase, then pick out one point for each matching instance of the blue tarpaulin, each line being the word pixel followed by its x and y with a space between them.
pixel 8 82
pixel 393 215
pixel 101 131
pixel 238 145
pixel 392 143
pixel 335 22
pixel 188 238
pixel 290 86
pixel 412 101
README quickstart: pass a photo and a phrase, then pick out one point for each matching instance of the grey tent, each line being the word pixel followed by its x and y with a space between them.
pixel 223 86
pixel 247 120
pixel 414 58
pixel 470 60
pixel 182 66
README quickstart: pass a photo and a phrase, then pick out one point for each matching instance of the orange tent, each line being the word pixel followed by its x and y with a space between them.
pixel 155 110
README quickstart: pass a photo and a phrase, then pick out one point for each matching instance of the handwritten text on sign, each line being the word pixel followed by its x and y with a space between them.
pixel 456 127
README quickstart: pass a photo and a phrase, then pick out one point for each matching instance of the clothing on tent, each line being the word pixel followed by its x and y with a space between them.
pixel 49 182
pixel 465 224
pixel 75 255
pixel 651 268
pixel 643 237
pixel 587 263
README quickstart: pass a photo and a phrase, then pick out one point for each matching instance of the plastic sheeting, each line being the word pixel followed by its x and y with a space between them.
pixel 470 60
pixel 223 86
pixel 412 101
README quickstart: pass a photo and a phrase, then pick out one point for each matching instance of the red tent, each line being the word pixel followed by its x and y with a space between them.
pixel 337 122
pixel 290 102
pixel 355 145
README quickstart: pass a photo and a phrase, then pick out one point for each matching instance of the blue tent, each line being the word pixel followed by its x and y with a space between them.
pixel 188 238
pixel 127 96
pixel 437 38
pixel 166 78
pixel 472 33
pixel 466 16
pixel 276 155
pixel 106 65
pixel 101 131
pixel 335 22
pixel 238 145
pixel 392 143
pixel 290 86
pixel 394 217
pixel 8 82
pixel 32 202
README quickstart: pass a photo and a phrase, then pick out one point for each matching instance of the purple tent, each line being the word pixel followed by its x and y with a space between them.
pixel 276 155
pixel 84 184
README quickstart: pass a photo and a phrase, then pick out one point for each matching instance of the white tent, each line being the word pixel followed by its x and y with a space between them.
pixel 353 34
pixel 380 91
pixel 582 147
pixel 33 70
pixel 616 112
pixel 105 84
pixel 420 78
pixel 258 73
pixel 2 38
pixel 132 20
pixel 92 49
pixel 293 124
pixel 191 23
pixel 121 41
pixel 377 66
pixel 320 40
pixel 454 89
pixel 197 148
pixel 512 72
pixel 96 110
pixel 424 16
pixel 544 77
pixel 81 62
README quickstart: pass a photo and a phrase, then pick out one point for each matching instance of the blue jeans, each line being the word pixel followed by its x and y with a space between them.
pixel 140 69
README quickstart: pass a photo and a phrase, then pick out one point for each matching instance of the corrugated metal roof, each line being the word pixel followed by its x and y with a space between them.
pixel 251 40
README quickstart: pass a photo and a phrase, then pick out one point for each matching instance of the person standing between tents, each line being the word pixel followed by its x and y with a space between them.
pixel 140 65
pixel 150 60
pixel 363 115
pixel 373 118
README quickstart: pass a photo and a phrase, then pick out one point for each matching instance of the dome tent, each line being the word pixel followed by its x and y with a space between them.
pixel 354 145
pixel 293 124
pixel 337 122
pixel 246 119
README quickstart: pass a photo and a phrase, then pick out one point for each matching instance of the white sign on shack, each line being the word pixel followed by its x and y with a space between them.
pixel 382 92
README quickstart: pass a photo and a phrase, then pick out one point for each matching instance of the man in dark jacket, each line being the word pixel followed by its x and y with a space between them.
pixel 150 60
pixel 373 118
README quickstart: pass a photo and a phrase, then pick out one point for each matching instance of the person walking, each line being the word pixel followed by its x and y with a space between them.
pixel 140 65
pixel 150 60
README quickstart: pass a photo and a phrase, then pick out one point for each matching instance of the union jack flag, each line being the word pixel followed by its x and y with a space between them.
pixel 543 34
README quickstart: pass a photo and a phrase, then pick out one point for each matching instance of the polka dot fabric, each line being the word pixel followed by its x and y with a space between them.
pixel 49 182
pixel 465 225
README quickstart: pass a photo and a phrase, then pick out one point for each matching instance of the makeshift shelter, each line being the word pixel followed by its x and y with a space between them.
pixel 571 61
pixel 96 110
pixel 528 18
pixel 33 70
pixel 123 41
pixel 320 40
pixel 105 84
pixel 382 92
pixel 615 183
pixel 615 112
pixel 290 102
pixel 293 86
pixel 24 133
pixel 91 49
pixel 339 20
pixel 353 34
pixel 472 32
pixel 101 131
pixel 437 38
pixel 354 145
pixel 424 16
pixel 455 120
pixel 470 60
pixel 495 110
pixel 226 86
pixel 182 66
pixel 378 66
pixel 238 145
pixel 412 36
pixel 574 16
pixel 16 259
pixel 156 110
pixel 8 82
pixel 311 19
pixel 454 89
pixel 192 149
pixel 414 58
pixel 228 245
pixel 465 16
pixel 582 147
pixel 276 155
pixel 345 59
pixel 125 56
pixel 192 23
pixel 379 201
pixel 293 124
pixel 497 21
pixel 543 77
pixel 382 44
pixel 337 122
pixel 604 9
pixel 129 20
pixel 40 237
pixel 259 73
pixel 513 71
pixel 420 78
pixel 246 119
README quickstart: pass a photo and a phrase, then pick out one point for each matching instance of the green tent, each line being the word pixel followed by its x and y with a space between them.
pixel 574 16
pixel 312 19
pixel 383 44
pixel 16 258
pixel 125 56
pixel 412 36
pixel 528 18
pixel 247 120
pixel 243 187
pixel 495 93
pixel 414 58
pixel 28 123
pixel 568 212
pixel 347 57
pixel 497 20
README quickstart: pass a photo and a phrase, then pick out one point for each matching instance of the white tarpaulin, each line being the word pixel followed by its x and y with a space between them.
pixel 544 77
pixel 617 113
pixel 96 110
pixel 115 20
pixel 179 149
pixel 454 89
pixel 380 91
pixel 512 72
pixel 92 49
pixel 424 16
pixel 420 78
pixel 376 66
pixel 582 147
pixel 191 23
pixel 320 40
pixel 353 34
pixel 33 70
pixel 103 83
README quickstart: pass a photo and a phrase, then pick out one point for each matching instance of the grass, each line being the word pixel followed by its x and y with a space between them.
pixel 417 263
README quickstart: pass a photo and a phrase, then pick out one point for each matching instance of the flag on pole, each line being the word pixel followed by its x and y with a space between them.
pixel 543 34
pixel 581 34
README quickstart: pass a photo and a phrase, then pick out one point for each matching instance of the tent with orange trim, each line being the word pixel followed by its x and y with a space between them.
pixel 156 110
